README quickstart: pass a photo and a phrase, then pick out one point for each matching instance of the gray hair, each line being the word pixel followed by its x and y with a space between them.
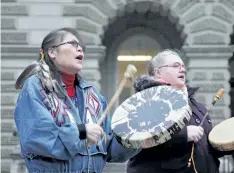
pixel 159 59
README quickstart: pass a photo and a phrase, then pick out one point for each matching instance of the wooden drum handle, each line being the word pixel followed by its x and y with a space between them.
pixel 129 73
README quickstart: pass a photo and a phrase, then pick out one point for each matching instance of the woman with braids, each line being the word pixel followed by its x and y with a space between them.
pixel 167 68
pixel 57 111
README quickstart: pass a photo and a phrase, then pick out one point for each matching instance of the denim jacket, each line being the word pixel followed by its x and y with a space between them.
pixel 49 136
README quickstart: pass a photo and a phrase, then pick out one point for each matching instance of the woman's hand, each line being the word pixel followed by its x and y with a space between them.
pixel 93 132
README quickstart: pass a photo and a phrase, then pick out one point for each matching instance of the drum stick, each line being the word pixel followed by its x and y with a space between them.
pixel 129 73
pixel 216 98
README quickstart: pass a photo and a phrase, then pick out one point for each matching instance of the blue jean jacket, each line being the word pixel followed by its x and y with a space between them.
pixel 48 132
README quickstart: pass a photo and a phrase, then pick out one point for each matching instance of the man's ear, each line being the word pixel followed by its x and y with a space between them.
pixel 157 73
pixel 52 53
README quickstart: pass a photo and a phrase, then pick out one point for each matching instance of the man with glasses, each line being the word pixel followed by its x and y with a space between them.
pixel 167 68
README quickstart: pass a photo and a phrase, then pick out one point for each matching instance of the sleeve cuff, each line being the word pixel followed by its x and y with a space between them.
pixel 183 135
pixel 180 138
pixel 82 131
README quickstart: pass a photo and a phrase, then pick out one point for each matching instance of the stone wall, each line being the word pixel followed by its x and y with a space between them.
pixel 24 24
pixel 204 26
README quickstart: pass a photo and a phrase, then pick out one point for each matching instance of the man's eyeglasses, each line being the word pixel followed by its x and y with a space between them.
pixel 74 43
pixel 176 65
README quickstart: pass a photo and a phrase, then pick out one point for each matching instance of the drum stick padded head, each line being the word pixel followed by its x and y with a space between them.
pixel 220 92
pixel 130 71
pixel 221 136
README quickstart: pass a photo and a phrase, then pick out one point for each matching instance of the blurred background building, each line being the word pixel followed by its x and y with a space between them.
pixel 119 32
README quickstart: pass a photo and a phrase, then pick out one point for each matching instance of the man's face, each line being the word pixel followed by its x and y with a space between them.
pixel 172 72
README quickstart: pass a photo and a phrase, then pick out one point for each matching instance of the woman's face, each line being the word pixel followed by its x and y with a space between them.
pixel 68 56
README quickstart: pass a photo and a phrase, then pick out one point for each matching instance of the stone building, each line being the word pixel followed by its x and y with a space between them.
pixel 202 29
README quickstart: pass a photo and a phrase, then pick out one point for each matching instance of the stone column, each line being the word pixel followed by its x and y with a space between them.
pixel 209 69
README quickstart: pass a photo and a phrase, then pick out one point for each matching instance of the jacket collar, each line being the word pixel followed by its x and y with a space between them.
pixel 191 91
pixel 82 83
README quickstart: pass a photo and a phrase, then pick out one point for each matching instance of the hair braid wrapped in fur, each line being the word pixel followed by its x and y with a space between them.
pixel 46 76
pixel 48 82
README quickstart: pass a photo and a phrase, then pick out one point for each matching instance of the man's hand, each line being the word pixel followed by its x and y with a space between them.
pixel 195 133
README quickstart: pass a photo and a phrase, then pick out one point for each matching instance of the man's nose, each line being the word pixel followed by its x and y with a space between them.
pixel 182 69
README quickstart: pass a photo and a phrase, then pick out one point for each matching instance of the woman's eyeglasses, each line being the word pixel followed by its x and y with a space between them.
pixel 74 43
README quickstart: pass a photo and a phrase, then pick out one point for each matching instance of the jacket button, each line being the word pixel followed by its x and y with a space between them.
pixel 198 121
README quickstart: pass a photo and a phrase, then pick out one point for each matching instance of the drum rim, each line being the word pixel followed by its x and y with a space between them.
pixel 221 145
pixel 179 119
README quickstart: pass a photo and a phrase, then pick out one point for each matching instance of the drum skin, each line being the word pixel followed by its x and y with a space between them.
pixel 151 117
pixel 221 136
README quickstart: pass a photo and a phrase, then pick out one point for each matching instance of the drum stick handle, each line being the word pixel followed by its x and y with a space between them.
pixel 207 113
pixel 112 101
pixel 130 71
pixel 216 98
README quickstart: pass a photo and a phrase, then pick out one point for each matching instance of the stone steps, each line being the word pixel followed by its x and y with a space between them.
pixel 5 166
pixel 8 140
pixel 15 48
pixel 8 76
pixel 8 86
pixel 9 37
pixel 10 65
pixel 35 37
pixel 6 151
pixel 7 126
pixel 12 9
pixel 20 49
pixel 25 52
pixel 8 99
pixel 19 56
pixel 7 112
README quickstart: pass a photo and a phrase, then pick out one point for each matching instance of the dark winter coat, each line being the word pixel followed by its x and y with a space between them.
pixel 173 156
